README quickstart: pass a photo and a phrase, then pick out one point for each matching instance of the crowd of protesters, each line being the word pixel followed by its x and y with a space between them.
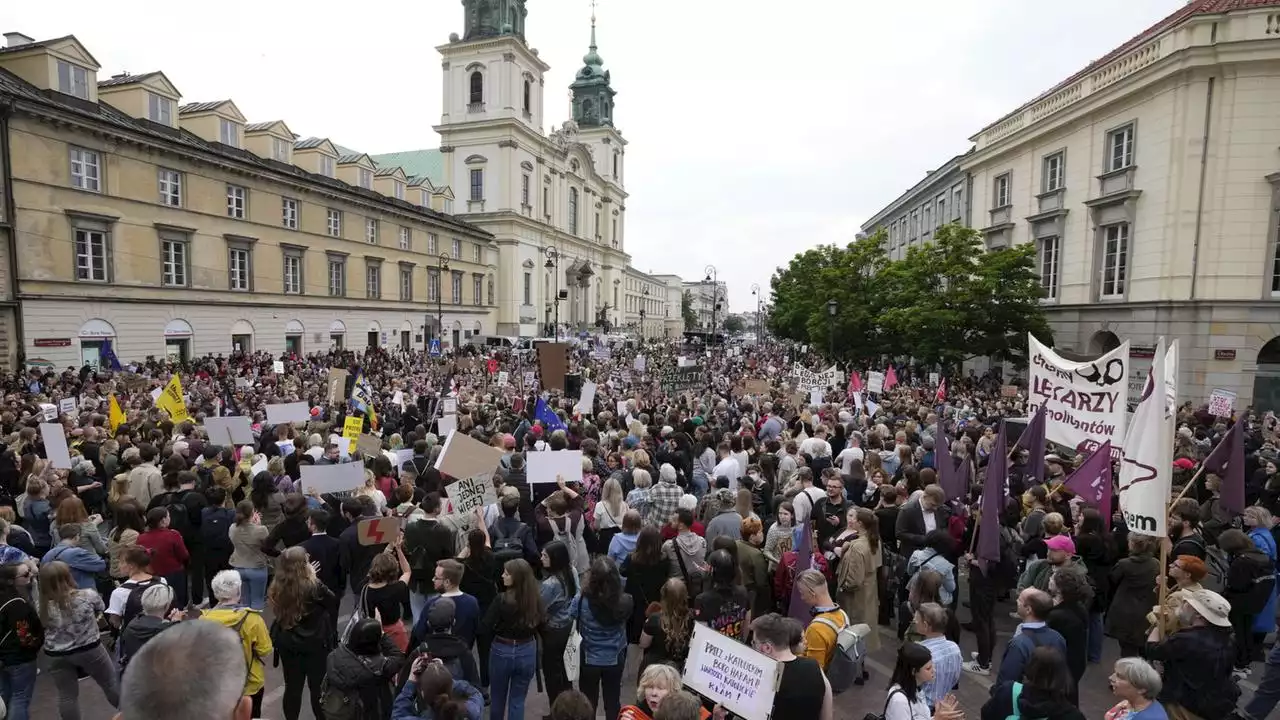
pixel 694 506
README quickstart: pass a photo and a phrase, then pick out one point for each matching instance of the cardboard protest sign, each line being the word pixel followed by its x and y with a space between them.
pixel 378 530
pixel 337 386
pixel 756 386
pixel 807 380
pixel 67 406
pixel 49 412
pixel 1221 403
pixel 231 430
pixel 545 466
pixel 55 445
pixel 351 429
pixel 1009 391
pixel 470 493
pixel 731 674
pixel 343 477
pixel 449 406
pixel 553 364
pixel 288 413
pixel 278 367
pixel 446 424
pixel 586 403
pixel 465 457
pixel 369 445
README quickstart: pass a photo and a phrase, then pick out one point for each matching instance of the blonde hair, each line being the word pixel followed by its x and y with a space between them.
pixel 658 675
pixel 1053 524
pixel 1261 516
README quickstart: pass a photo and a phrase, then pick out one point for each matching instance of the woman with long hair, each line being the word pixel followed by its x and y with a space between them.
pixel 34 509
pixel 725 606
pixel 646 570
pixel 247 557
pixel 22 634
pixel 783 526
pixel 1097 551
pixel 912 671
pixel 481 579
pixel 303 628
pixel 559 586
pixel 386 595
pixel 609 514
pixel 71 511
pixel 267 500
pixel 512 623
pixel 668 628
pixel 169 553
pixel 370 490
pixel 71 639
pixel 601 611
pixel 856 589
pixel 432 693
pixel 128 526
pixel 1044 691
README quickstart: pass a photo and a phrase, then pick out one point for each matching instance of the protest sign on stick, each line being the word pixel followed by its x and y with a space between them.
pixel 546 466
pixel 731 674
pixel 378 531
pixel 288 413
pixel 343 477
pixel 465 457
pixel 470 493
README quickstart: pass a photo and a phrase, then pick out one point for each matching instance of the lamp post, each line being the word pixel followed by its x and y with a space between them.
pixel 713 277
pixel 442 264
pixel 553 263
pixel 755 292
pixel 644 302
pixel 831 334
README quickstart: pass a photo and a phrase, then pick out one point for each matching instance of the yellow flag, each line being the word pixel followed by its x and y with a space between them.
pixel 352 428
pixel 171 401
pixel 116 415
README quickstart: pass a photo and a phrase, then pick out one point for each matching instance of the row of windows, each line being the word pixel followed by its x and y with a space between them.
pixel 86 174
pixel 921 222
pixel 1113 268
pixel 93 254
pixel 1053 167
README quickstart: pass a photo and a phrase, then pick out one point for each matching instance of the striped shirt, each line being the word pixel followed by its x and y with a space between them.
pixel 946 669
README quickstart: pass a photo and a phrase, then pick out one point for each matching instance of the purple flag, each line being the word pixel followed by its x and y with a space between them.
pixel 804 559
pixel 946 465
pixel 993 494
pixel 1092 481
pixel 1229 456
pixel 1033 441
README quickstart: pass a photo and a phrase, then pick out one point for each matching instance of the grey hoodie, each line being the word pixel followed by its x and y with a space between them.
pixel 693 550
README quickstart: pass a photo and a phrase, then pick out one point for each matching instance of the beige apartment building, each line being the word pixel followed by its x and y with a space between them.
pixel 1150 184
pixel 644 304
pixel 180 230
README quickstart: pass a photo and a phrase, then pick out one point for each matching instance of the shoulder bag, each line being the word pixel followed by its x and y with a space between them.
pixel 573 646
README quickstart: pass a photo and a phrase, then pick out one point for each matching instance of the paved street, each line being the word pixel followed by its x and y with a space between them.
pixel 1095 697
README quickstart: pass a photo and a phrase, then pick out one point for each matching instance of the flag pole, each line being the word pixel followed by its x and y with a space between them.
pixel 1163 586
pixel 1188 486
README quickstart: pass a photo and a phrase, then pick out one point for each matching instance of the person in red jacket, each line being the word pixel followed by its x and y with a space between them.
pixel 168 553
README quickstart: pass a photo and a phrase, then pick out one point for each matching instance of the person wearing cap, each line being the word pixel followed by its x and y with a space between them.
pixel 1060 556
pixel 1197 660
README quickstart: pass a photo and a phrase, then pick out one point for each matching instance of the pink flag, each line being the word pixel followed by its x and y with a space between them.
pixel 855 383
pixel 1092 481
pixel 890 378
pixel 941 395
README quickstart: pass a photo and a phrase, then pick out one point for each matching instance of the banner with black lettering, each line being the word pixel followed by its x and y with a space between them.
pixel 1086 403
pixel 1146 475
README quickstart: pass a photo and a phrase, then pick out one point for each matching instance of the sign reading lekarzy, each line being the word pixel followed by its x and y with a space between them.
pixel 739 678
pixel 1085 403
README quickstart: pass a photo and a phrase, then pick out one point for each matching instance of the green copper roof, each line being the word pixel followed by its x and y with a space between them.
pixel 429 162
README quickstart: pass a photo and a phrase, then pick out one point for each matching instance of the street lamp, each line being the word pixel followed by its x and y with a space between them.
pixel 644 301
pixel 831 335
pixel 713 278
pixel 755 292
pixel 553 263
pixel 442 264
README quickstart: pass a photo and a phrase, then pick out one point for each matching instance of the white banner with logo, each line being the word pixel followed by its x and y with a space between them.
pixel 1146 475
pixel 1085 402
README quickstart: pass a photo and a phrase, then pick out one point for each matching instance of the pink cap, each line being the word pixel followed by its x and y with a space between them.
pixel 1062 543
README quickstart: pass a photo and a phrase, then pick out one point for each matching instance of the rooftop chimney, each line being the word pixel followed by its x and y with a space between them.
pixel 17 39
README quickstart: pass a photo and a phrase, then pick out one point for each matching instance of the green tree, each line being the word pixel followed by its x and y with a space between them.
pixel 686 311
pixel 733 324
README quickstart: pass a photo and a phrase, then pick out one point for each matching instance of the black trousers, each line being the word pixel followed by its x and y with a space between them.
pixel 483 643
pixel 195 573
pixel 553 644
pixel 213 563
pixel 302 668
pixel 594 679
pixel 982 605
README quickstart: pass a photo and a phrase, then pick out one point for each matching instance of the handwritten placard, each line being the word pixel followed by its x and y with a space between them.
pixel 1221 402
pixel 470 493
pixel 731 674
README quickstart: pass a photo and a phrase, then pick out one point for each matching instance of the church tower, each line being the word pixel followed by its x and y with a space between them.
pixel 492 18
pixel 593 112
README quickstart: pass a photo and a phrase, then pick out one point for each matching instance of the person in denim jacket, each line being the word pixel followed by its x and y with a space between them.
pixel 601 610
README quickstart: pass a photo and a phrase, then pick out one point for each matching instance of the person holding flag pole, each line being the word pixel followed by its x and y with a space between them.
pixel 984 557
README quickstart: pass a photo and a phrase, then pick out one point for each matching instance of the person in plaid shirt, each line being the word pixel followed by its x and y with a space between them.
pixel 664 498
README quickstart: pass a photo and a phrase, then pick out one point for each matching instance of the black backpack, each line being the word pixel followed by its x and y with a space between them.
pixel 344 703
pixel 508 547
pixel 133 603
pixel 180 514
pixel 215 529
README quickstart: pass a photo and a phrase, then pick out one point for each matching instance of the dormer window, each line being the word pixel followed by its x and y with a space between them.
pixel 366 178
pixel 280 149
pixel 159 109
pixel 73 80
pixel 326 166
pixel 228 133
pixel 398 189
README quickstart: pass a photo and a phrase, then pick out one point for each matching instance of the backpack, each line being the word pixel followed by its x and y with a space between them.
pixel 508 547
pixel 1219 565
pixel 846 663
pixel 1010 555
pixel 880 715
pixel 133 602
pixel 180 514
pixel 215 529
pixel 342 703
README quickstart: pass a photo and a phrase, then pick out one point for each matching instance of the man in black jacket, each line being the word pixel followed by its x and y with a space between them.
pixel 518 479
pixel 323 551
pixel 921 517
pixel 354 558
pixel 426 542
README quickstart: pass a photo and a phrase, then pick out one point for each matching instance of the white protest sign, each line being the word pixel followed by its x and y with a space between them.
pixel 49 412
pixel 446 424
pixel 683 361
pixel 403 456
pixel 1221 403
pixel 1086 403
pixel 739 678
pixel 67 406
pixel 503 377
pixel 806 379
pixel 259 467
pixel 872 408
pixel 230 430
pixel 242 383
pixel 529 377
pixel 875 382
pixel 639 364
pixel 343 477
pixel 470 493
pixel 545 466
pixel 398 399
pixel 55 445
pixel 815 397
pixel 1146 473
pixel 155 394
pixel 587 401
pixel 278 367
pixel 449 406
pixel 286 447
pixel 622 408
pixel 933 379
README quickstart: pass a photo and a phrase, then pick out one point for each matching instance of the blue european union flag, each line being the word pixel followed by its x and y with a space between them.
pixel 107 357
pixel 549 420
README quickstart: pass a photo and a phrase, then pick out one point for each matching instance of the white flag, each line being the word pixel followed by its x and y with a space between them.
pixel 1146 473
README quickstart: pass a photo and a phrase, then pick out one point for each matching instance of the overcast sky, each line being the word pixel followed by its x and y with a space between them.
pixel 757 128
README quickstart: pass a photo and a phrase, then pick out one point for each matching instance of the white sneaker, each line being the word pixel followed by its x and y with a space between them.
pixel 973 667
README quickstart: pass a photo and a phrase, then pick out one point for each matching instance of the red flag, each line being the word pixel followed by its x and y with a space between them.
pixel 890 378
pixel 1092 481
pixel 855 382
pixel 941 395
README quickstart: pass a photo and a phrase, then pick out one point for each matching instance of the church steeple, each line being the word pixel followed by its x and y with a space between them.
pixel 592 94
pixel 494 18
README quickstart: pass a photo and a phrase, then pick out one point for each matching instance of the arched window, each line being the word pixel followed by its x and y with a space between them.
pixel 573 210
pixel 477 88
pixel 528 94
